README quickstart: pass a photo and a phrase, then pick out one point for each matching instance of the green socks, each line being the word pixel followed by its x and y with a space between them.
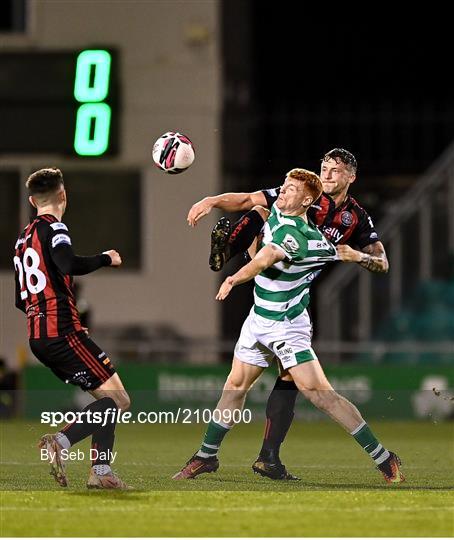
pixel 214 435
pixel 364 436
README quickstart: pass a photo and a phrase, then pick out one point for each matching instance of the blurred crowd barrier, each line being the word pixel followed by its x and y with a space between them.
pixel 381 391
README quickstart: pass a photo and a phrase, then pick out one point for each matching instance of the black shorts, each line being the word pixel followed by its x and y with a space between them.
pixel 75 359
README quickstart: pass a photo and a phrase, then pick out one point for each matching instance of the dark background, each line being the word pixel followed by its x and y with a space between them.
pixel 301 79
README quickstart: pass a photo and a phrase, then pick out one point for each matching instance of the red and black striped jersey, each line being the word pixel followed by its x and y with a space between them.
pixel 42 291
pixel 44 264
pixel 348 224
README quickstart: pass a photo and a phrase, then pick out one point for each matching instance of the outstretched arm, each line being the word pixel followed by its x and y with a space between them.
pixel 70 264
pixel 229 202
pixel 265 258
pixel 372 257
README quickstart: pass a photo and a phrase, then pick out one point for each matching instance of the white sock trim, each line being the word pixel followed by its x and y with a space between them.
pixel 382 458
pixel 63 440
pixel 204 454
pixel 225 426
pixel 376 451
pixel 359 428
pixel 214 447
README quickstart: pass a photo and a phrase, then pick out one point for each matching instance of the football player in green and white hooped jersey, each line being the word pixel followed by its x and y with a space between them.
pixel 278 325
pixel 282 291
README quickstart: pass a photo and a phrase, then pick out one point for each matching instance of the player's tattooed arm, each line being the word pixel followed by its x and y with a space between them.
pixel 372 257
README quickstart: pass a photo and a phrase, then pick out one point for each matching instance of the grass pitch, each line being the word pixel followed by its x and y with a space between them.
pixel 340 493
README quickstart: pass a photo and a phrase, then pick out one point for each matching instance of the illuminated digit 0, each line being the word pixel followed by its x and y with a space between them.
pixel 86 143
pixel 91 87
pixel 84 90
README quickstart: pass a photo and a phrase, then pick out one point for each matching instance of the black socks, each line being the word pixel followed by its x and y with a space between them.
pixel 280 410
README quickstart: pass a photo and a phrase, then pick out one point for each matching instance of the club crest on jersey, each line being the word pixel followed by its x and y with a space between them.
pixel 289 243
pixel 346 218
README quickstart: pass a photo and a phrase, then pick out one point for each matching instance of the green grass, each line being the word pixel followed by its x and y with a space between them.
pixel 340 495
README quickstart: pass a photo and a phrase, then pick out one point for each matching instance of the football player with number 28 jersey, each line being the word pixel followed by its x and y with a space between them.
pixel 44 264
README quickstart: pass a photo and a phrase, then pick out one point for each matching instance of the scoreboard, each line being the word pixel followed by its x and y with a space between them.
pixel 59 102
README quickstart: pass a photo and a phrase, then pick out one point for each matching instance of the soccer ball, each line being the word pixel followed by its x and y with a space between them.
pixel 173 152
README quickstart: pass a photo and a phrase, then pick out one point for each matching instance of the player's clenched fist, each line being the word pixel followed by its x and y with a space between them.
pixel 115 256
pixel 348 254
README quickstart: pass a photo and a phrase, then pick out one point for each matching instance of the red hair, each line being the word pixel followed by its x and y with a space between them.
pixel 312 183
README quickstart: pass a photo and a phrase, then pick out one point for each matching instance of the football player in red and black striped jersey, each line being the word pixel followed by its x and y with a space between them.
pixel 45 264
pixel 342 220
pixel 336 213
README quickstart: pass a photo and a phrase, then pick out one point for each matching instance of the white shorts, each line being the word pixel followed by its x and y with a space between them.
pixel 262 339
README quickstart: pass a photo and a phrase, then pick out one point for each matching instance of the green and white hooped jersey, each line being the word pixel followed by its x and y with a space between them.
pixel 282 291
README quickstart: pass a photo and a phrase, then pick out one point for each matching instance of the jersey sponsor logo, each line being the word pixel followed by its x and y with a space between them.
pixel 59 226
pixel 323 244
pixel 289 243
pixel 286 354
pixel 346 218
pixel 61 239
pixel 333 234
pixel 283 348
